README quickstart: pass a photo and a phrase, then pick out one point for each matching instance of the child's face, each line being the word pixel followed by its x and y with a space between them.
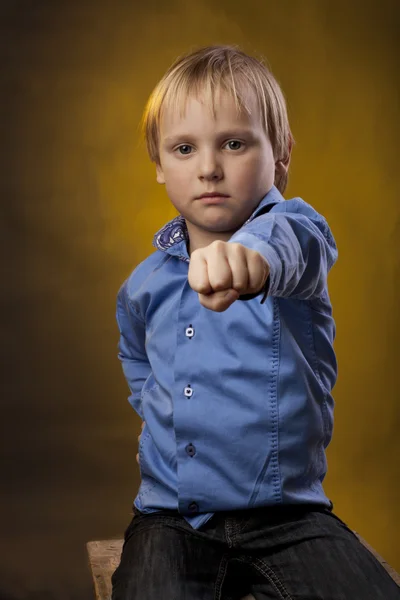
pixel 231 155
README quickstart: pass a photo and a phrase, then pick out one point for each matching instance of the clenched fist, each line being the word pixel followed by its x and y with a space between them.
pixel 222 271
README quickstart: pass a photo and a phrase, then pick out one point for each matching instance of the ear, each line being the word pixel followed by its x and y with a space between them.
pixel 282 165
pixel 160 173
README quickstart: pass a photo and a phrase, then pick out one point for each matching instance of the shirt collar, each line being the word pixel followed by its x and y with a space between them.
pixel 173 237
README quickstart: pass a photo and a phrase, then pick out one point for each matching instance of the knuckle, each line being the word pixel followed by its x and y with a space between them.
pixel 257 257
pixel 237 248
pixel 241 287
pixel 255 260
pixel 218 244
pixel 219 285
pixel 202 288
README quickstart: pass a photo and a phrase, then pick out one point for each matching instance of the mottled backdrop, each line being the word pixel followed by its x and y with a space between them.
pixel 79 208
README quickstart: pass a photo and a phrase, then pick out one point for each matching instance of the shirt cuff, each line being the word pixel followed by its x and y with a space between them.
pixel 263 291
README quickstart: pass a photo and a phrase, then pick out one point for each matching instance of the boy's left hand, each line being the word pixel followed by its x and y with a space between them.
pixel 222 271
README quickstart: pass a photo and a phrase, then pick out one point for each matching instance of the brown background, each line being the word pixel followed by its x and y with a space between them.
pixel 80 206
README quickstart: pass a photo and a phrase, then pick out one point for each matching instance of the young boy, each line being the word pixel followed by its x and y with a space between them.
pixel 227 347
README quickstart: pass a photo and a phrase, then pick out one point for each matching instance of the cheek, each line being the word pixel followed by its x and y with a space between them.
pixel 176 184
pixel 262 167
pixel 176 174
pixel 247 172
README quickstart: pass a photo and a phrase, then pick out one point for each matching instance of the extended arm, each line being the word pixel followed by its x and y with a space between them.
pixel 297 244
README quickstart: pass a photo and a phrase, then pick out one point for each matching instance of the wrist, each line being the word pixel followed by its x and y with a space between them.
pixel 264 291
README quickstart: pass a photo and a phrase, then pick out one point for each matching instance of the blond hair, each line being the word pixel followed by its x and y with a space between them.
pixel 208 69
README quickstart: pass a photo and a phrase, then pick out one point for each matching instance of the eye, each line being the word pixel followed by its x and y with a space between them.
pixel 184 149
pixel 234 145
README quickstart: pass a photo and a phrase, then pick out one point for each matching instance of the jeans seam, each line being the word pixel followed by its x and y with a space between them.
pixel 272 577
pixel 232 529
pixel 220 577
pixel 230 532
pixel 243 524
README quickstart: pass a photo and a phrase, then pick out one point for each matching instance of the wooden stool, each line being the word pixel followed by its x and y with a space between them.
pixel 104 557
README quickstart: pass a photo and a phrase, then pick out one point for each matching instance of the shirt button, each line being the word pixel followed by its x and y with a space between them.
pixel 193 507
pixel 191 450
pixel 188 392
pixel 189 332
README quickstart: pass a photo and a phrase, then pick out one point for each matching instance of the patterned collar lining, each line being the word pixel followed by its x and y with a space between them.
pixel 172 233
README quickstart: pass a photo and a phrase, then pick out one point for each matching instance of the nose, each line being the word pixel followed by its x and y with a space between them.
pixel 210 168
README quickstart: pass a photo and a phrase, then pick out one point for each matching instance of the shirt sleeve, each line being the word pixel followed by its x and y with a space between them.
pixel 298 245
pixel 132 353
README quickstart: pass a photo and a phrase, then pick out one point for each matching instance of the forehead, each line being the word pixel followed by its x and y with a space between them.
pixel 215 108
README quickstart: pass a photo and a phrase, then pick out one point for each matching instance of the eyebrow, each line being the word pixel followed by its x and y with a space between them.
pixel 223 134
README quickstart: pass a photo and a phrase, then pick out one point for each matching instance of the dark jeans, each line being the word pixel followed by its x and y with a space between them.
pixel 289 552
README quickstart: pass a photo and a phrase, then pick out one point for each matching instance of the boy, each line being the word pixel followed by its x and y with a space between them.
pixel 227 347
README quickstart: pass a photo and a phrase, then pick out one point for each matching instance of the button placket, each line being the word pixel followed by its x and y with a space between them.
pixel 188 391
pixel 191 450
pixel 189 332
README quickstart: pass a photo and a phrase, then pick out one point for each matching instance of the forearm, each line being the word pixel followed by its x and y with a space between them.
pixel 299 249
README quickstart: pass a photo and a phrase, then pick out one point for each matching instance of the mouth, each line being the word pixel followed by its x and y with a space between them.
pixel 212 198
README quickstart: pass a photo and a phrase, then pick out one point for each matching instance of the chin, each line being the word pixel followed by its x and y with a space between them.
pixel 216 223
pixel 218 226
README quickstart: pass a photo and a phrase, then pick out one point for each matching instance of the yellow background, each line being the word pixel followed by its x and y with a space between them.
pixel 80 207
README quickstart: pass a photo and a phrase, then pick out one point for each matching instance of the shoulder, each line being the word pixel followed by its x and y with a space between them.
pixel 295 205
pixel 296 209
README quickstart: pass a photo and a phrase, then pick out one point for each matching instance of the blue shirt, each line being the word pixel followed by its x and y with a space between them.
pixel 237 404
